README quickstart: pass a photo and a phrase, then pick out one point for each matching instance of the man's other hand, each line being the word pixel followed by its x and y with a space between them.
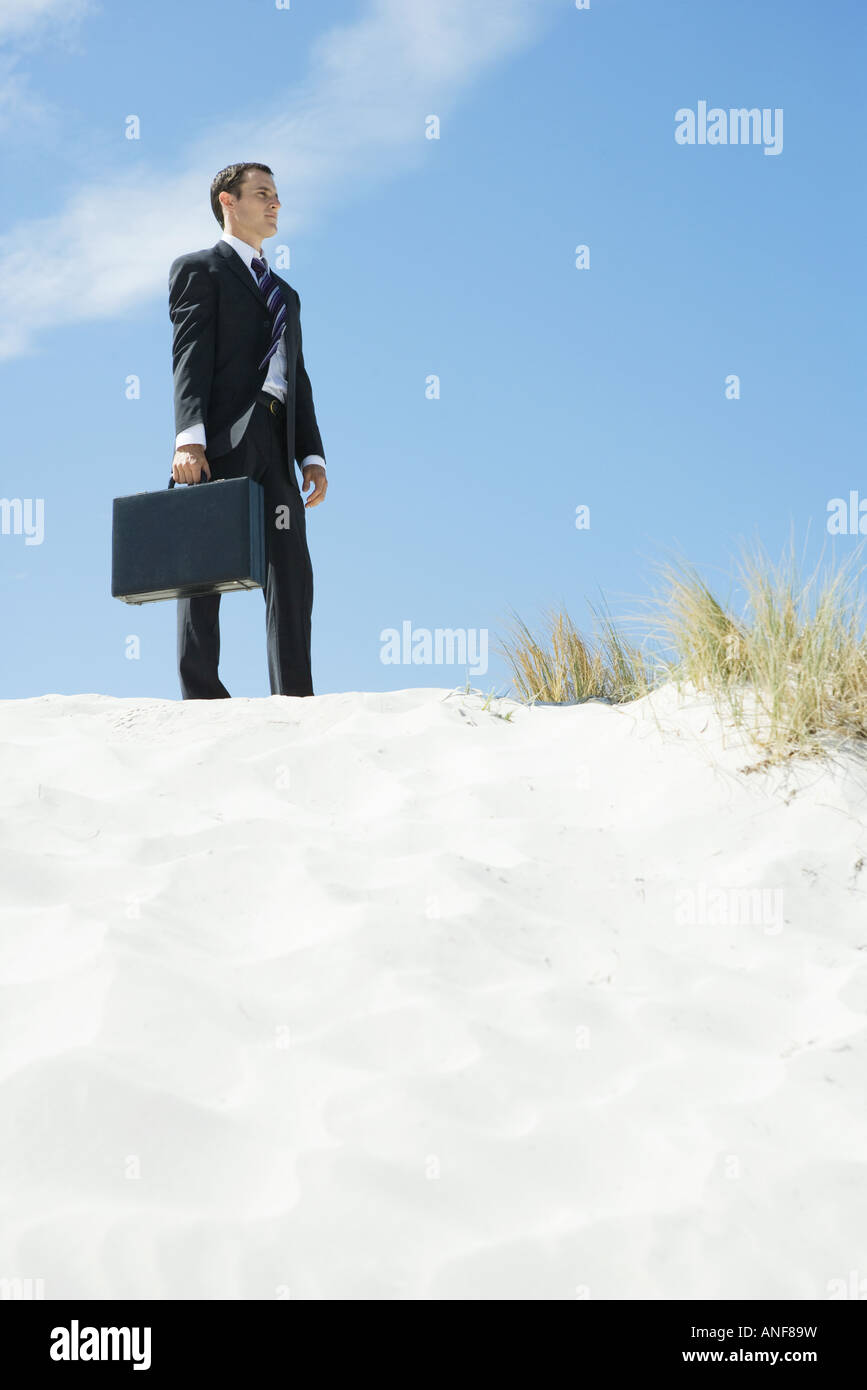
pixel 314 473
pixel 189 462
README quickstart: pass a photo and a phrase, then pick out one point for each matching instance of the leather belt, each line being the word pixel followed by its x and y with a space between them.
pixel 272 404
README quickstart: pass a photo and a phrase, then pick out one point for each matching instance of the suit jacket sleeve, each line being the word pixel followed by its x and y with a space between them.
pixel 193 311
pixel 308 440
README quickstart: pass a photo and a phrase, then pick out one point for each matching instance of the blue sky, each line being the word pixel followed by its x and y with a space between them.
pixel 453 257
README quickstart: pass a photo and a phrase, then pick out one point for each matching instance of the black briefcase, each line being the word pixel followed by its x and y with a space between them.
pixel 196 540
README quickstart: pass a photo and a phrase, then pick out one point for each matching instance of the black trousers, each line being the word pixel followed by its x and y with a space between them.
pixel 288 592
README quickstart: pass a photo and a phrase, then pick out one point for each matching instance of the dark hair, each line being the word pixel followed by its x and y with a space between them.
pixel 229 180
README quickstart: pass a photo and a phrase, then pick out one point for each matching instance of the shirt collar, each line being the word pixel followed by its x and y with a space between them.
pixel 243 248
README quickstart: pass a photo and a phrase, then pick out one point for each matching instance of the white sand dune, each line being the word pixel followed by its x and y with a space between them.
pixel 387 997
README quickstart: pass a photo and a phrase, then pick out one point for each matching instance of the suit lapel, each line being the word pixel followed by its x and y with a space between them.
pixel 236 265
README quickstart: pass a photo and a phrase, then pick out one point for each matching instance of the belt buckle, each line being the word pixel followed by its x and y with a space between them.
pixel 274 405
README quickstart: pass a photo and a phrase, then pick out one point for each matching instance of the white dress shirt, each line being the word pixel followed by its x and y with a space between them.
pixel 275 380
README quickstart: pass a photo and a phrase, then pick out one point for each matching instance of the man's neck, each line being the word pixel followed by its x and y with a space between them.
pixel 251 241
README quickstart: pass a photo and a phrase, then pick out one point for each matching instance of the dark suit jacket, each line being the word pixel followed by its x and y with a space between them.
pixel 222 330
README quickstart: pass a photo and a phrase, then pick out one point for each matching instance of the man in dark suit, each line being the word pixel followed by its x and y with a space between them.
pixel 244 406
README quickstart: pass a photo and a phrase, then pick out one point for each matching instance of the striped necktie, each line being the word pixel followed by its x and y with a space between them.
pixel 276 305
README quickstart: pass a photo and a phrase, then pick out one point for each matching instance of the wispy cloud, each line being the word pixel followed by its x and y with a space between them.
pixel 18 18
pixel 357 117
pixel 27 25
pixel 18 104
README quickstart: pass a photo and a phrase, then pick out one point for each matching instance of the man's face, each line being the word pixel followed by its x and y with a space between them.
pixel 254 213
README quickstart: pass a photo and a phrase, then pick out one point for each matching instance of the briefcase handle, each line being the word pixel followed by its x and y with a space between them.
pixel 203 478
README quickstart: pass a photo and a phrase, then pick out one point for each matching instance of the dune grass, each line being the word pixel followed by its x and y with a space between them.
pixel 562 666
pixel 790 667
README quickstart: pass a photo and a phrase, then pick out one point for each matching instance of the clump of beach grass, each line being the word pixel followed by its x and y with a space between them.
pixel 790 667
pixel 561 666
